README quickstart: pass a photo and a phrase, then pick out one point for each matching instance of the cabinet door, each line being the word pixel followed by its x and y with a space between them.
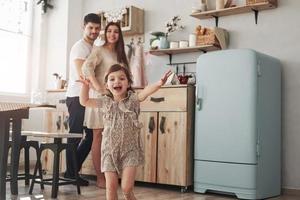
pixel 172 147
pixel 55 122
pixel 147 172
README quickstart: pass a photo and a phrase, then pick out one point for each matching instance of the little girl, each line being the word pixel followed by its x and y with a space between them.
pixel 121 149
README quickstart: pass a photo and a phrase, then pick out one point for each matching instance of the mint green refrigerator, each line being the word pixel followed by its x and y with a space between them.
pixel 238 124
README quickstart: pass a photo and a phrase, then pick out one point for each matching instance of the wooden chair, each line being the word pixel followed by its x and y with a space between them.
pixel 26 145
pixel 56 147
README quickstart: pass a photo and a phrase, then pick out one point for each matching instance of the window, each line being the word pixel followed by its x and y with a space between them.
pixel 15 40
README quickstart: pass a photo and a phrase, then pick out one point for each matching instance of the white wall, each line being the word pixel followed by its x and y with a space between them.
pixel 54 34
pixel 75 24
pixel 57 32
pixel 276 34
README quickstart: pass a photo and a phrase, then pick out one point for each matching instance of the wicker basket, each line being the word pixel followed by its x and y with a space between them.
pixel 250 2
pixel 208 38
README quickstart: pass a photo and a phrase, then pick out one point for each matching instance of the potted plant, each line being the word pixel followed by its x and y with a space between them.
pixel 155 42
pixel 59 83
pixel 171 26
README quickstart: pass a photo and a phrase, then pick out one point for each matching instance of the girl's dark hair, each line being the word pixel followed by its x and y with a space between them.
pixel 118 67
pixel 91 17
pixel 119 47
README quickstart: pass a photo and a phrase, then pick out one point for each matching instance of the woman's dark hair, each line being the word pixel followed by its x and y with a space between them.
pixel 91 17
pixel 118 67
pixel 119 47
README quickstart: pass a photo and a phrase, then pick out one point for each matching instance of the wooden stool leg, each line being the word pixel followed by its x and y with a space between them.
pixel 55 173
pixel 41 175
pixel 37 166
pixel 73 147
pixel 35 145
pixel 26 163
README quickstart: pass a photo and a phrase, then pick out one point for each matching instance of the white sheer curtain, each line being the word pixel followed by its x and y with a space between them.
pixel 15 39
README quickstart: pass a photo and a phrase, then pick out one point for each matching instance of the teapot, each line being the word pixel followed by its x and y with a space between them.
pixel 187 79
pixel 183 79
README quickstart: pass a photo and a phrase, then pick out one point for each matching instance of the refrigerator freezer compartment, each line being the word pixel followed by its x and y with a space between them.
pixel 225 174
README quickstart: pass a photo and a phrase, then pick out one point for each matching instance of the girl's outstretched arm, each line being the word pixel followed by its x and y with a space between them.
pixel 84 94
pixel 150 89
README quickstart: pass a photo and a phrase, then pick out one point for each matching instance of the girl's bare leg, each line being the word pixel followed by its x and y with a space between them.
pixel 127 183
pixel 111 185
pixel 96 157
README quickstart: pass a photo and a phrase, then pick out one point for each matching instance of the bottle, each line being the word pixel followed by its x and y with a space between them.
pixel 203 5
pixel 219 4
pixel 192 40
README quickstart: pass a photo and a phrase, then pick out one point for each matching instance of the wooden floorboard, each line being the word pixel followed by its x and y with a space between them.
pixel 142 192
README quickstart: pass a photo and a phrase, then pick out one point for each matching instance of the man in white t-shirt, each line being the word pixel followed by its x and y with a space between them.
pixel 79 52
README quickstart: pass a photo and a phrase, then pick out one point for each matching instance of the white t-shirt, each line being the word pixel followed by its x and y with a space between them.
pixel 80 50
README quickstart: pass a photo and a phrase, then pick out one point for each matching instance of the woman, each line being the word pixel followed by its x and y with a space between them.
pixel 94 69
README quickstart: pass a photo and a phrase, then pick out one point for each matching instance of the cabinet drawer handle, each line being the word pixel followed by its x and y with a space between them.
pixel 58 123
pixel 162 125
pixel 66 121
pixel 157 100
pixel 151 125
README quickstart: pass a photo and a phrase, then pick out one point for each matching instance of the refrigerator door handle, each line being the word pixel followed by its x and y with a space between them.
pixel 199 103
pixel 199 97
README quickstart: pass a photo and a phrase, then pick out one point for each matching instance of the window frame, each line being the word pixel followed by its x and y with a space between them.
pixel 15 96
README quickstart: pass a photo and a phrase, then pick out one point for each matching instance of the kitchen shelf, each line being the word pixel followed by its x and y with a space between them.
pixel 170 52
pixel 271 4
pixel 132 22
pixel 204 48
pixel 56 90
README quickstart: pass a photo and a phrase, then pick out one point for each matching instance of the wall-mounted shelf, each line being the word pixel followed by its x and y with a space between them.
pixel 170 52
pixel 56 90
pixel 271 4
pixel 204 48
pixel 132 21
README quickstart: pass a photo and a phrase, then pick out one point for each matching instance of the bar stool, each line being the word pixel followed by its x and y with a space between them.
pixel 56 147
pixel 26 145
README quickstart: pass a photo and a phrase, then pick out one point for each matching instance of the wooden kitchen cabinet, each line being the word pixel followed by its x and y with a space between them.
pixel 55 121
pixel 167 136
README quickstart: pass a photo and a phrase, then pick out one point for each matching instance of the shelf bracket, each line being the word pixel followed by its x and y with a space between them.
pixel 170 59
pixel 203 51
pixel 216 20
pixel 255 14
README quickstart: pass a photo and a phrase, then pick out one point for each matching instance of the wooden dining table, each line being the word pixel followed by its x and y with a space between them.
pixel 11 115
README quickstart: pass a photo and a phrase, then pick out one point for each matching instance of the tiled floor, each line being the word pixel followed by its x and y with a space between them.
pixel 142 191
